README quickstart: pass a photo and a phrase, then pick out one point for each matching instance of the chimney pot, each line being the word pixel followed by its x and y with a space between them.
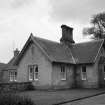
pixel 16 52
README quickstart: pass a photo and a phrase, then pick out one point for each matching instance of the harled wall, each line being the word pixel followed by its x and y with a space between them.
pixel 34 55
pixel 94 75
pixel 57 83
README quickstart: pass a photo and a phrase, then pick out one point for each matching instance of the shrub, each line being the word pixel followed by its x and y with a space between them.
pixel 13 99
pixel 30 87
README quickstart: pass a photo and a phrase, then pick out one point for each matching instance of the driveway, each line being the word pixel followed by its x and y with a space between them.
pixel 55 97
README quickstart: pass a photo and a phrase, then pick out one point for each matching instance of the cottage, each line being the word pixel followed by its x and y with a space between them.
pixel 48 64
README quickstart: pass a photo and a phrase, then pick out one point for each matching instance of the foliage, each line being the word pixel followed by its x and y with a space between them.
pixel 30 87
pixel 98 26
pixel 13 99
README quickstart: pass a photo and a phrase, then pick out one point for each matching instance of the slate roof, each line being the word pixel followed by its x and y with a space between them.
pixel 86 52
pixel 73 54
pixel 11 62
pixel 56 51
pixel 10 65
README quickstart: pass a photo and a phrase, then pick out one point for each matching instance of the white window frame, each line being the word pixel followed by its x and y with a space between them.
pixel 83 74
pixel 30 67
pixel 13 76
pixel 34 74
pixel 63 73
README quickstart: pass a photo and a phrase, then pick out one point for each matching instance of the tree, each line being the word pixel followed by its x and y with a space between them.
pixel 98 26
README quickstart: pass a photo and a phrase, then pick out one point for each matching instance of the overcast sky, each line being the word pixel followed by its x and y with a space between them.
pixel 18 18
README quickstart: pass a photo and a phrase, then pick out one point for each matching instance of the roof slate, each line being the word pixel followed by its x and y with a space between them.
pixel 86 52
pixel 73 54
pixel 56 51
pixel 10 65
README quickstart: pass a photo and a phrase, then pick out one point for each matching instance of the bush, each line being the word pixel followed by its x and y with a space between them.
pixel 30 87
pixel 13 99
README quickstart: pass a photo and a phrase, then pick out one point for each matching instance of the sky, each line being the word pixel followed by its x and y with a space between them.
pixel 43 18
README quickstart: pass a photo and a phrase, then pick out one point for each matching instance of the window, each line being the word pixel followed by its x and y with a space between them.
pixel 83 73
pixel 63 73
pixel 13 76
pixel 104 72
pixel 36 73
pixel 33 72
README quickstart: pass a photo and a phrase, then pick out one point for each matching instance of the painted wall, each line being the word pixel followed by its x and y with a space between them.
pixel 56 76
pixel 92 73
pixel 5 76
pixel 92 77
pixel 101 69
pixel 1 76
pixel 49 74
pixel 33 55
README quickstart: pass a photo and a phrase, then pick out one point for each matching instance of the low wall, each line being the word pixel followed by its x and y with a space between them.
pixel 15 86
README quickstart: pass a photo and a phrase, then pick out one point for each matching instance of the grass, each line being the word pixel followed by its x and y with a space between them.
pixel 46 97
pixel 13 99
pixel 54 97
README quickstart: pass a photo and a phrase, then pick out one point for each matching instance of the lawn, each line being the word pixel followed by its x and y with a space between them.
pixel 54 97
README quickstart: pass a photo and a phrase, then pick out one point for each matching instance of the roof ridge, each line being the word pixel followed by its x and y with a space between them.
pixel 46 40
pixel 66 46
pixel 72 56
pixel 99 50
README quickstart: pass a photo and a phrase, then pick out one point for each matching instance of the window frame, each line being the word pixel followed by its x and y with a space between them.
pixel 12 76
pixel 34 73
pixel 30 74
pixel 63 72
pixel 83 73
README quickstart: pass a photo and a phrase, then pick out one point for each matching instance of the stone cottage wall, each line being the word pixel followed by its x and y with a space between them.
pixel 57 83
pixel 94 74
pixel 92 77
pixel 33 55
pixel 5 76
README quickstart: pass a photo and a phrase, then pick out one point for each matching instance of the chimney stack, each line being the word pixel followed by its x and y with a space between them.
pixel 67 35
pixel 16 52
